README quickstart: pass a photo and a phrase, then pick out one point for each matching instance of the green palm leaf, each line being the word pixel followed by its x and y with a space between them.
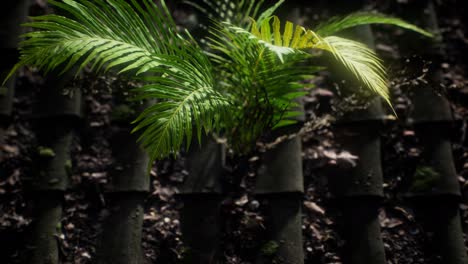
pixel 109 34
pixel 134 39
pixel 187 101
pixel 362 62
pixel 340 23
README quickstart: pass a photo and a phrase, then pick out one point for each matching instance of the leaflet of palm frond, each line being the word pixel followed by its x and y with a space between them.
pixel 339 23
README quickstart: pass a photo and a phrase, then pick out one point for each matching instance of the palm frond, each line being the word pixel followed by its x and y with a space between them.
pixel 187 102
pixel 134 39
pixel 262 88
pixel 361 61
pixel 108 34
pixel 340 23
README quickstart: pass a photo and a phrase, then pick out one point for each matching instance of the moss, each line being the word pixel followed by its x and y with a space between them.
pixel 122 113
pixel 58 227
pixel 424 179
pixel 186 254
pixel 3 91
pixel 270 248
pixel 68 167
pixel 46 152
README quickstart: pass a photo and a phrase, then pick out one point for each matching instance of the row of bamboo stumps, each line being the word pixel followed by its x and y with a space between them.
pixel 359 190
pixel 434 194
pixel 56 115
pixel 437 202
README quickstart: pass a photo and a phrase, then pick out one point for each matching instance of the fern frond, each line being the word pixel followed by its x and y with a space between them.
pixel 337 24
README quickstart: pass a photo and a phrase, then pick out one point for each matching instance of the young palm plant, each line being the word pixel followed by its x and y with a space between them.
pixel 243 81
pixel 244 84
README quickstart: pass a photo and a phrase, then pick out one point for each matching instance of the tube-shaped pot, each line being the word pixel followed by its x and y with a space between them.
pixel 12 14
pixel 435 191
pixel 122 234
pixel 129 183
pixel 358 185
pixel 285 244
pixel 48 213
pixel 201 197
pixel 54 133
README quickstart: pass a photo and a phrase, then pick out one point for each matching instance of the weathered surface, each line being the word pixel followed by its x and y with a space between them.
pixel 54 132
pixel 441 217
pixel 121 238
pixel 200 226
pixel 281 171
pixel 129 184
pixel 365 177
pixel 436 174
pixel 130 171
pixel 361 228
pixel 53 162
pixel 204 163
pixel 59 98
pixel 12 14
pixel 44 243
pixel 284 224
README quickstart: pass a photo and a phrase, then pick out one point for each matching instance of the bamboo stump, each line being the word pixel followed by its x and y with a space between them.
pixel 281 182
pixel 12 15
pixel 46 229
pixel 128 187
pixel 359 187
pixel 435 192
pixel 359 190
pixel 55 117
pixel 200 216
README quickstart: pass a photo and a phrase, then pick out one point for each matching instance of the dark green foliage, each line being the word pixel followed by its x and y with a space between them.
pixel 246 85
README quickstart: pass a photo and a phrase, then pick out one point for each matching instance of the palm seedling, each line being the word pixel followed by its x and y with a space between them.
pixel 243 81
pixel 244 84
